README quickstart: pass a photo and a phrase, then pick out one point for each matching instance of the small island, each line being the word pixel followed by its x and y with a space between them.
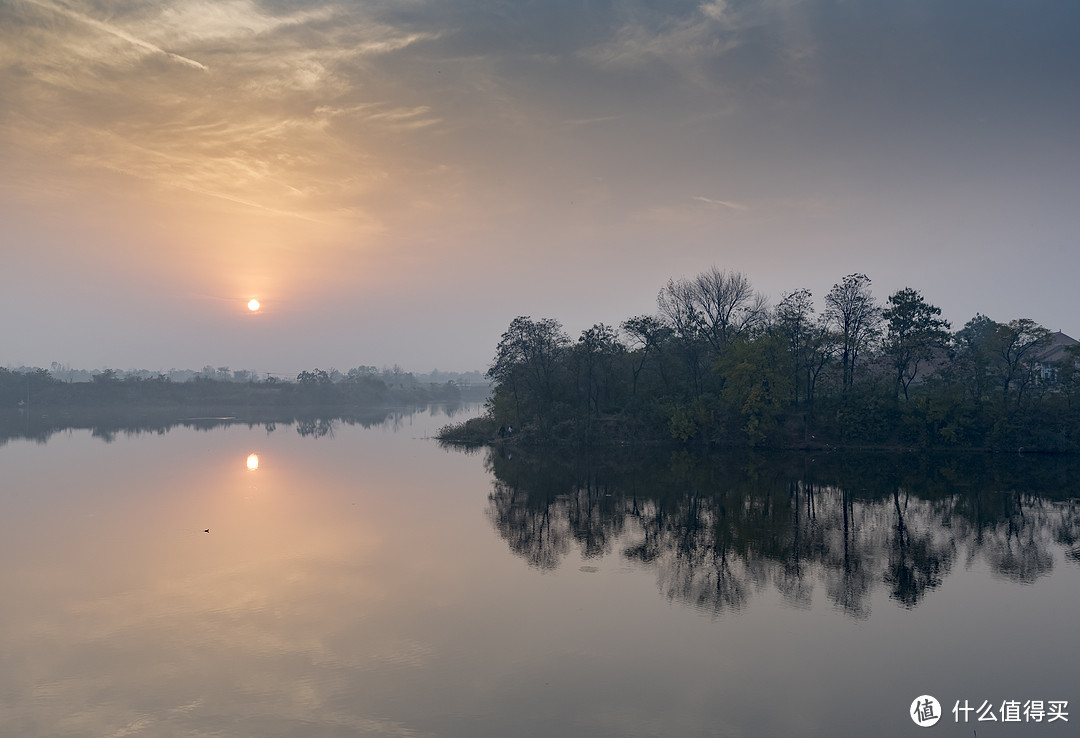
pixel 718 366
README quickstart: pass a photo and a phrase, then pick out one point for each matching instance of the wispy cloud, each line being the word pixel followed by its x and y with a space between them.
pixel 290 114
pixel 394 43
pixel 589 121
pixel 682 44
pixel 377 111
pixel 191 22
pixel 113 30
pixel 766 39
pixel 722 203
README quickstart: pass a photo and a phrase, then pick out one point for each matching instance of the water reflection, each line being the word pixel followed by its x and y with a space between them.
pixel 718 531
pixel 109 424
pixel 358 589
pixel 315 427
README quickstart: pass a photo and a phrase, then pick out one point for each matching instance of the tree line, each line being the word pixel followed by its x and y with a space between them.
pixel 717 364
pixel 317 388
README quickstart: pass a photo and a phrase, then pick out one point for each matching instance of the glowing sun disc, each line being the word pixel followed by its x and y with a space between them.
pixel 253 304
pixel 253 462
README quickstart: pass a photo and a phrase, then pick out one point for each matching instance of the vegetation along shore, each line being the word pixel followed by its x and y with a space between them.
pixel 718 366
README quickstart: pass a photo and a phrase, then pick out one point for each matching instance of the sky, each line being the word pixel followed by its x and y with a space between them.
pixel 395 181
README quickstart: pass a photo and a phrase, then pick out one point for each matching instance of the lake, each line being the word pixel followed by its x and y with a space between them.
pixel 356 579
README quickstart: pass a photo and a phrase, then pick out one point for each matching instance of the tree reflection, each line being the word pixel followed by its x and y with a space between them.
pixel 920 554
pixel 315 427
pixel 108 424
pixel 717 531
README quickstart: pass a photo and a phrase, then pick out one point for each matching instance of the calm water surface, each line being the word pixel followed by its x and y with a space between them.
pixel 364 581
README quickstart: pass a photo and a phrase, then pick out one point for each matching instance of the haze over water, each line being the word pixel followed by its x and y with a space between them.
pixel 368 582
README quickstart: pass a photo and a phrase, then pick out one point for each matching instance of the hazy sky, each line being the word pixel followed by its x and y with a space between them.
pixel 397 180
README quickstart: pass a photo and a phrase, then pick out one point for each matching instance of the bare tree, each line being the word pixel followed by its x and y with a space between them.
pixel 820 350
pixel 647 335
pixel 708 312
pixel 728 306
pixel 1019 342
pixel 678 306
pixel 794 319
pixel 850 309
pixel 810 344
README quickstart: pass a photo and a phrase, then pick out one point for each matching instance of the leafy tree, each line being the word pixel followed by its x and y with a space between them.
pixel 975 356
pixel 105 378
pixel 756 386
pixel 316 378
pixel 914 331
pixel 526 360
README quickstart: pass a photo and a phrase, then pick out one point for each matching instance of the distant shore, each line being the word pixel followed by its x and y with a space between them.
pixel 38 390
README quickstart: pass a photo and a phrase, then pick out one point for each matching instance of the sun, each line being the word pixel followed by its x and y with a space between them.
pixel 253 305
pixel 253 462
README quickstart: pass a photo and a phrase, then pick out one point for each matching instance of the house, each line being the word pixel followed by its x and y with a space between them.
pixel 1050 358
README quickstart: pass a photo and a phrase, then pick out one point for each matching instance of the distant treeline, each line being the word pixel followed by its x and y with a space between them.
pixel 392 376
pixel 718 365
pixel 363 387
